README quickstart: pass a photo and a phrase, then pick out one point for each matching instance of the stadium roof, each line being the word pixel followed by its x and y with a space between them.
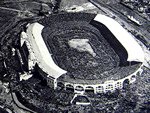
pixel 135 52
pixel 45 60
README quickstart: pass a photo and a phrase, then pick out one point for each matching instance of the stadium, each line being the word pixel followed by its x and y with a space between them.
pixel 81 52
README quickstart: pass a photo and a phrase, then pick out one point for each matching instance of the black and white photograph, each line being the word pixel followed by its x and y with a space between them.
pixel 74 56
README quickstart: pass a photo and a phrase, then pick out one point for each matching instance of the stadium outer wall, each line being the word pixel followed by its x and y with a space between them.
pixel 110 85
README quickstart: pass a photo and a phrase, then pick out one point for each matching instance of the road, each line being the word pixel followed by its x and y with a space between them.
pixel 21 105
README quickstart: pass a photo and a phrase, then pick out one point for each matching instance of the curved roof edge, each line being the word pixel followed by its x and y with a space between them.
pixel 135 52
pixel 41 52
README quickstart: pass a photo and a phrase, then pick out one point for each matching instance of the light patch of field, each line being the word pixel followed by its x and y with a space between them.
pixel 82 45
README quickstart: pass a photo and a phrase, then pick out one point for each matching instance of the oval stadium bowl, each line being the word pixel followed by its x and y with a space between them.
pixel 83 50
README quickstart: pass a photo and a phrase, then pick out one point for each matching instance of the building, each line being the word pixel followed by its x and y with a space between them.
pixel 49 59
